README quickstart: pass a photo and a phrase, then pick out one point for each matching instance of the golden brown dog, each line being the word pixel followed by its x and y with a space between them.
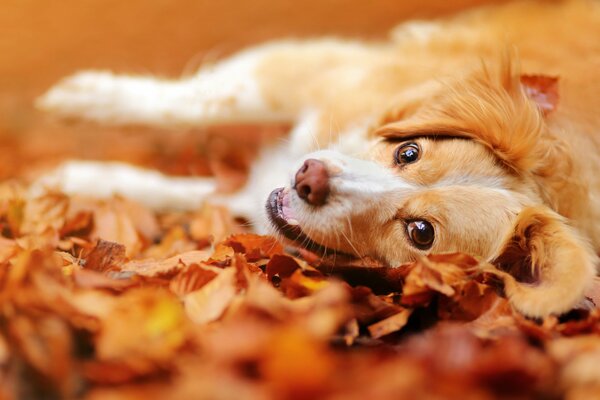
pixel 477 134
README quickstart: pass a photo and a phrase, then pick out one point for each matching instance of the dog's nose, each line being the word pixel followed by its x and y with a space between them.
pixel 312 182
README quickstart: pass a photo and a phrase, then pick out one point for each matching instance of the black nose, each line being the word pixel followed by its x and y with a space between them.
pixel 312 182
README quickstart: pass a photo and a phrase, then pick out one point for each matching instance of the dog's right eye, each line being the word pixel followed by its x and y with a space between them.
pixel 421 233
pixel 406 153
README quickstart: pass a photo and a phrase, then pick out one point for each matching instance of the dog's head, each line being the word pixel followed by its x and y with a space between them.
pixel 469 167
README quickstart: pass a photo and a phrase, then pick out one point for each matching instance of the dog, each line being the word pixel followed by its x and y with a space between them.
pixel 478 133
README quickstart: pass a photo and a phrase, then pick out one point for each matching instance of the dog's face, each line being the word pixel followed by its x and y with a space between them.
pixel 405 199
pixel 436 177
pixel 456 172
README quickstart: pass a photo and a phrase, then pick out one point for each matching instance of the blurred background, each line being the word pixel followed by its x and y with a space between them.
pixel 43 41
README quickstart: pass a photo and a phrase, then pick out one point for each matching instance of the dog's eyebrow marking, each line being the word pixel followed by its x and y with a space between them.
pixel 490 182
pixel 434 137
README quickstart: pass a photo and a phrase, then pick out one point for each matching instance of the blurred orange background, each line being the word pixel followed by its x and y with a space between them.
pixel 42 41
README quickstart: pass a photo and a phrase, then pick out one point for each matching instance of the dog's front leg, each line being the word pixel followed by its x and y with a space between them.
pixel 106 179
pixel 225 93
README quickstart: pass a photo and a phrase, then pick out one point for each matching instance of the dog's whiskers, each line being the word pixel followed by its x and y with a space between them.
pixel 353 248
pixel 350 227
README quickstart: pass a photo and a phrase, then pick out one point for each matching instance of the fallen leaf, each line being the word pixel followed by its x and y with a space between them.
pixel 192 278
pixel 8 248
pixel 212 223
pixel 167 267
pixel 143 331
pixel 390 324
pixel 208 303
pixel 255 247
pixel 114 224
pixel 436 274
pixel 106 256
pixel 80 224
pixel 90 279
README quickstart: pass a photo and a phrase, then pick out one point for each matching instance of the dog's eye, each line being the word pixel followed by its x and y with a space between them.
pixel 406 153
pixel 421 233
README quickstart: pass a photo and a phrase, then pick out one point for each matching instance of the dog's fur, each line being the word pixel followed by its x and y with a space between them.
pixel 507 171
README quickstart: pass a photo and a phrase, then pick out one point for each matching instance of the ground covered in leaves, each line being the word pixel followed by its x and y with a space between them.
pixel 107 300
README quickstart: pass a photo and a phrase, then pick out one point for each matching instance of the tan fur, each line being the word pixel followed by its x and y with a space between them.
pixel 555 254
pixel 499 176
pixel 549 164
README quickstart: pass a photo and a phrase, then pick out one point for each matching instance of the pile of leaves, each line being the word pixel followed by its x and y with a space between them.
pixel 103 299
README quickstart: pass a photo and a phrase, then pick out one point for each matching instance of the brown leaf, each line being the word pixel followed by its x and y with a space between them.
pixel 4 350
pixel 15 215
pixel 255 247
pixel 222 255
pixel 106 256
pixel 79 225
pixel 506 366
pixel 390 324
pixel 379 279
pixel 470 301
pixel 8 248
pixel 44 213
pixel 281 266
pixel 90 279
pixel 115 372
pixel 509 366
pixel 580 357
pixel 45 344
pixel 168 267
pixel 436 273
pixel 212 223
pixel 497 320
pixel 175 241
pixel 191 279
pixel 300 285
pixel 143 330
pixel 208 303
pixel 351 332
pixel 142 218
pixel 307 375
pixel 113 223
pixel 369 308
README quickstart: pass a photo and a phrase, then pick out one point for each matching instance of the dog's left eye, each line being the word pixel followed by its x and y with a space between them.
pixel 421 233
pixel 406 153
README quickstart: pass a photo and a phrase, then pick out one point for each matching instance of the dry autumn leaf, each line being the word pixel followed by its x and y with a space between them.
pixel 390 324
pixel 210 301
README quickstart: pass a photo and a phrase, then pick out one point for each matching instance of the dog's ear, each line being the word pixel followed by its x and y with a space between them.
pixel 548 265
pixel 542 90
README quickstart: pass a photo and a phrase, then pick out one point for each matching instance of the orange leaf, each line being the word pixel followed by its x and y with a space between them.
pixel 106 256
pixel 210 302
pixel 390 324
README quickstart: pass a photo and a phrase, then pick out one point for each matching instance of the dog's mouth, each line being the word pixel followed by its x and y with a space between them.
pixel 282 217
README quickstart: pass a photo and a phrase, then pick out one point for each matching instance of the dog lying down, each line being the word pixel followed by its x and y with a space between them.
pixel 478 133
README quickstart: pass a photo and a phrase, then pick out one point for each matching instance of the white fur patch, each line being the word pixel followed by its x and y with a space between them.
pixel 105 179
pixel 224 93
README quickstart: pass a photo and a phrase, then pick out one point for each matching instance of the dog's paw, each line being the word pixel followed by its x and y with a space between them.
pixel 83 95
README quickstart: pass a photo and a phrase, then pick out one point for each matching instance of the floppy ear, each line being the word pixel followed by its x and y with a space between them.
pixel 549 266
pixel 497 107
pixel 542 90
